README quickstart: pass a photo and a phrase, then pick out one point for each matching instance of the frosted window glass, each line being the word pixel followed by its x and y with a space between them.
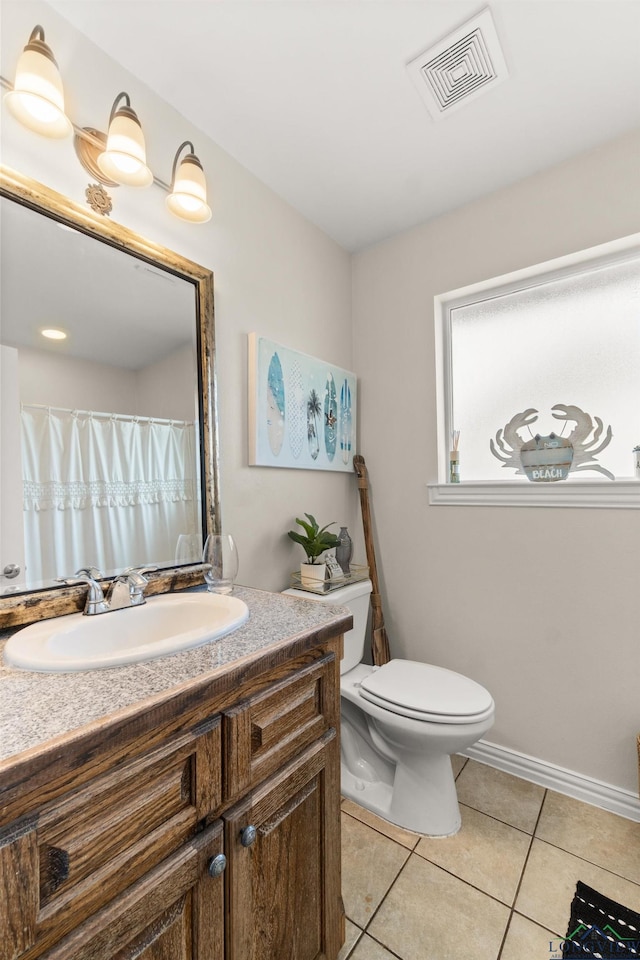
pixel 573 340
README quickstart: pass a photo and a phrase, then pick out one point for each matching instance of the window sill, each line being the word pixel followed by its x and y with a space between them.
pixel 610 494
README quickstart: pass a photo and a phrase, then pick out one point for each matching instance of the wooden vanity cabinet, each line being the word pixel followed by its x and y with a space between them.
pixel 61 862
pixel 281 885
pixel 116 866
pixel 283 838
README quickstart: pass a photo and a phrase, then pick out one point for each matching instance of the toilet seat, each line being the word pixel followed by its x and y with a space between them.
pixel 425 692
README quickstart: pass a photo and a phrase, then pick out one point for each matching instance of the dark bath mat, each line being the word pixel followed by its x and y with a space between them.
pixel 601 928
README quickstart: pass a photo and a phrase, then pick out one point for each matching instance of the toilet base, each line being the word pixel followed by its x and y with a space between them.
pixel 436 815
pixel 372 795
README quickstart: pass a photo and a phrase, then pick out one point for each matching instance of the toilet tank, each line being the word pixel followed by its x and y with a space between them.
pixel 355 596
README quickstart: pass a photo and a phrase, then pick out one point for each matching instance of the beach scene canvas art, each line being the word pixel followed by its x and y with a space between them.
pixel 302 410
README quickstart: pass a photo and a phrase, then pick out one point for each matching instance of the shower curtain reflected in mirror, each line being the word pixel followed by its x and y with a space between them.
pixel 104 490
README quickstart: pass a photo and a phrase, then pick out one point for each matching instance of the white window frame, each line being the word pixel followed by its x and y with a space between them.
pixel 580 492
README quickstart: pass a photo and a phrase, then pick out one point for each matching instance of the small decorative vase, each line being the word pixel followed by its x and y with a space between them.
pixel 636 462
pixel 344 550
pixel 312 574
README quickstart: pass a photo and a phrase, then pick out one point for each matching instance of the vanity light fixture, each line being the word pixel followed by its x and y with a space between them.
pixel 124 159
pixel 37 98
pixel 188 196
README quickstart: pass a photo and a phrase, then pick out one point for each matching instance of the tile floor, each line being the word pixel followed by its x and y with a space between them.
pixel 501 889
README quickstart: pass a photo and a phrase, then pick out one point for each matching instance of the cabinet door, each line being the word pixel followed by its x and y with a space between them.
pixel 284 886
pixel 175 912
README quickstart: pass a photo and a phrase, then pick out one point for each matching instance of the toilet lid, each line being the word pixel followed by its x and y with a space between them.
pixel 426 692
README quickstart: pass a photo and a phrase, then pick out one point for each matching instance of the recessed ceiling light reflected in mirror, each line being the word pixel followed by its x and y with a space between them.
pixel 51 333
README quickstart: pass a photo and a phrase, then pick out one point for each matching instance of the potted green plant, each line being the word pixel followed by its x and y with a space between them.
pixel 314 541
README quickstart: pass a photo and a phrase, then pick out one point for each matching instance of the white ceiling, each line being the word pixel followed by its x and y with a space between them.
pixel 313 96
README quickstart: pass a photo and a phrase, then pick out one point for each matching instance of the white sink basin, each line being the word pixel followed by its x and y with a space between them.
pixel 163 625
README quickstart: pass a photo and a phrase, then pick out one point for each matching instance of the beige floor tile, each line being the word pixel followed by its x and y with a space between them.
pixel 485 852
pixel 511 799
pixel 368 949
pixel 370 864
pixel 527 941
pixel 404 837
pixel 458 763
pixel 430 915
pixel 610 841
pixel 352 933
pixel 549 884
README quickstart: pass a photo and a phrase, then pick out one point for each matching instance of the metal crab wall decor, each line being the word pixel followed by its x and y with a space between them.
pixel 552 457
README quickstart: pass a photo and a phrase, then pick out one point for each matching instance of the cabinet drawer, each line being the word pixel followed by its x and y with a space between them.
pixel 265 731
pixel 93 843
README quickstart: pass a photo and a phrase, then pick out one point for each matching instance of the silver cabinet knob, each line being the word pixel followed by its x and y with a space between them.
pixel 217 865
pixel 10 571
pixel 248 836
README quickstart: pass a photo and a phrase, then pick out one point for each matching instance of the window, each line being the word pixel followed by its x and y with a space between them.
pixel 565 333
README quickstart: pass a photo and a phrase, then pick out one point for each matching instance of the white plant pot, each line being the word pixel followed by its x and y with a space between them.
pixel 311 573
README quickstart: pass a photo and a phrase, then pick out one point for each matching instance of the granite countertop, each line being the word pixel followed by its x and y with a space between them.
pixel 38 707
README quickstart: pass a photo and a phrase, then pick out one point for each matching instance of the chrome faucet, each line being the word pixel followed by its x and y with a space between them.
pixel 127 590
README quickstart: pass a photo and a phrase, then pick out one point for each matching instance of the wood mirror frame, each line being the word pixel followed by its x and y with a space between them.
pixel 21 608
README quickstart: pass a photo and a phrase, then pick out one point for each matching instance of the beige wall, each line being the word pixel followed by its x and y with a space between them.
pixel 163 389
pixel 274 272
pixel 59 381
pixel 539 605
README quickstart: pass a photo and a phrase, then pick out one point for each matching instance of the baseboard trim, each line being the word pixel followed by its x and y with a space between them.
pixel 572 784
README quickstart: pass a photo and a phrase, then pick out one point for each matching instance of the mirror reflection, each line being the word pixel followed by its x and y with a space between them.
pixel 99 432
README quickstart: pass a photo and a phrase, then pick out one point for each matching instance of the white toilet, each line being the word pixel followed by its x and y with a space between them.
pixel 400 723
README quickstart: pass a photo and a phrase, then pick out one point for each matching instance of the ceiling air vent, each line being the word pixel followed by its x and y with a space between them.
pixel 459 68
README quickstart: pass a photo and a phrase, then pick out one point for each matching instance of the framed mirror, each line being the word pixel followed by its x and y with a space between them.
pixel 108 435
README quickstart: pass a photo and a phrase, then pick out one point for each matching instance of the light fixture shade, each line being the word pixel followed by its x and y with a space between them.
pixel 188 197
pixel 124 159
pixel 37 98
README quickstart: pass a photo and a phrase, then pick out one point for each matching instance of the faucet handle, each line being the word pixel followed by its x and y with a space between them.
pixel 90 571
pixel 134 577
pixel 137 574
pixel 95 597
pixel 148 568
pixel 82 576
